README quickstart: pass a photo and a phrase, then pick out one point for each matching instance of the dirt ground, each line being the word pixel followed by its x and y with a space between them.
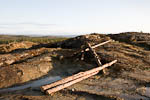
pixel 128 79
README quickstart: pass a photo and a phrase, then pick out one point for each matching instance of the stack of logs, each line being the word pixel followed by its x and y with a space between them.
pixel 66 82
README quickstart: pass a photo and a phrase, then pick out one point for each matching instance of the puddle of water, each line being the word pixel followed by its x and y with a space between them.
pixel 34 84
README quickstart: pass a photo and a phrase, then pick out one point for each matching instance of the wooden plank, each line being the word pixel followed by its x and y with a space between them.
pixel 93 72
pixel 70 78
pixel 60 87
pixel 81 74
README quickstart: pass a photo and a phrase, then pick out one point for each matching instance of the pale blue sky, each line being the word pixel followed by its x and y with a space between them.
pixel 69 17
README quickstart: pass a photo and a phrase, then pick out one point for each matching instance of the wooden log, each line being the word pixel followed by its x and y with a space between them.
pixel 70 78
pixel 87 49
pixel 81 74
pixel 100 44
pixel 95 55
pixel 60 87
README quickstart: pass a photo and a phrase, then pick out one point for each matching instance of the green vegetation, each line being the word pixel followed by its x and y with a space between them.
pixel 5 39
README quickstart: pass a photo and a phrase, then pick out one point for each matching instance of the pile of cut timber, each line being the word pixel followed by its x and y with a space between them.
pixel 66 82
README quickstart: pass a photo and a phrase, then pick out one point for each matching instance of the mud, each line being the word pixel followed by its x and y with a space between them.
pixel 23 71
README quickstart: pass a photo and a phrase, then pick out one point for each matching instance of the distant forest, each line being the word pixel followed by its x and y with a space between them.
pixel 5 39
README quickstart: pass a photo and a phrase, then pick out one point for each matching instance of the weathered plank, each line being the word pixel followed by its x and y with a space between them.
pixel 76 76
pixel 55 89
pixel 90 73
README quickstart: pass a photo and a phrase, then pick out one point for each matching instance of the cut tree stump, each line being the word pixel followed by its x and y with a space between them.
pixel 74 77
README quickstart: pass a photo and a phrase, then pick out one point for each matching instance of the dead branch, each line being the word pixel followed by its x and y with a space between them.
pixel 94 54
pixel 98 45
pixel 87 49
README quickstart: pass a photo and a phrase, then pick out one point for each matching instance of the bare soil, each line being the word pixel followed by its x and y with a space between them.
pixel 128 79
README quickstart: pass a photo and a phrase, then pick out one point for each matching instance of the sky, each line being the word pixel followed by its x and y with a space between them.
pixel 73 17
